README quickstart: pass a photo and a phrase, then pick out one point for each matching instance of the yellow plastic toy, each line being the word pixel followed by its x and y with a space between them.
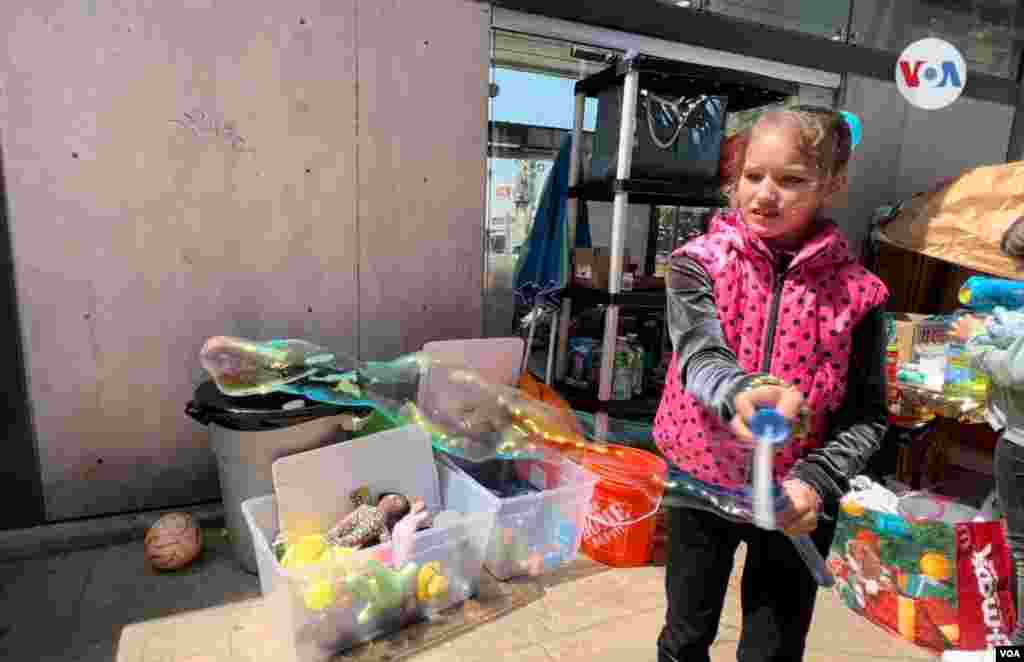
pixel 320 595
pixel 325 564
pixel 431 585
pixel 306 551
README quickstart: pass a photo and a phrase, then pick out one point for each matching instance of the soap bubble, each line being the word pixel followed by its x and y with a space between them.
pixel 466 415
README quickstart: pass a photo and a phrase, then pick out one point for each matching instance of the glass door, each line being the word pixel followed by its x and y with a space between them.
pixel 531 113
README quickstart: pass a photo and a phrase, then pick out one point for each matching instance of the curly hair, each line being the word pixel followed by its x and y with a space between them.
pixel 825 139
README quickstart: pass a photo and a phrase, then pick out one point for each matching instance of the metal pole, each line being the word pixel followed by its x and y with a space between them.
pixel 572 213
pixel 549 369
pixel 620 216
pixel 601 426
pixel 529 342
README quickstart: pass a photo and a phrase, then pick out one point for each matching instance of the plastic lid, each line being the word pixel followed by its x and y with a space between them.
pixel 769 425
pixel 256 412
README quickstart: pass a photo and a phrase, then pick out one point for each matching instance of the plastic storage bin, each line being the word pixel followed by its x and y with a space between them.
pixel 537 531
pixel 248 434
pixel 458 546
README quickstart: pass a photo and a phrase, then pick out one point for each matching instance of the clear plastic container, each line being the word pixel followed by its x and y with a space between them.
pixel 540 530
pixel 456 548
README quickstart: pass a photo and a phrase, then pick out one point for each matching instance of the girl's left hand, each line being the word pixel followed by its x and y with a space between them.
pixel 802 515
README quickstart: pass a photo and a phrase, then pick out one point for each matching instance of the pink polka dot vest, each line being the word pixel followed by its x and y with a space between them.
pixel 822 297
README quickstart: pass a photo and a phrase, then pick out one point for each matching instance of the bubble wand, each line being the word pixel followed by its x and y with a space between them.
pixel 770 429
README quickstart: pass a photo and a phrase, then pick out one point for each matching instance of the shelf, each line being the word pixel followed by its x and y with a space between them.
pixel 650 192
pixel 586 296
pixel 644 407
pixel 744 90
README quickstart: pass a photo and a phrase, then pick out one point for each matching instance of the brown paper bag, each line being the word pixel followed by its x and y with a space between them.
pixel 963 220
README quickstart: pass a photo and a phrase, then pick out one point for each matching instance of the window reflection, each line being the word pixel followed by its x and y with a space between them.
pixel 823 18
pixel 987 32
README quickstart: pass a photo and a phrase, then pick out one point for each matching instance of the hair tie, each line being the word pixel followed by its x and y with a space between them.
pixel 853 122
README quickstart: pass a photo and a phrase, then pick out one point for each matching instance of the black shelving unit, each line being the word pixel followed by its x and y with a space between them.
pixel 637 299
pixel 743 91
pixel 637 408
pixel 648 192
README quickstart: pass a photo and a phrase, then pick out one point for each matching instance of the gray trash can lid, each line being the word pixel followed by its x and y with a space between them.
pixel 258 412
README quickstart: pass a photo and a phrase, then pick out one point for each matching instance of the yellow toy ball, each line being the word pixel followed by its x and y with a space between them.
pixel 319 596
pixel 173 542
pixel 936 566
pixel 852 508
pixel 308 550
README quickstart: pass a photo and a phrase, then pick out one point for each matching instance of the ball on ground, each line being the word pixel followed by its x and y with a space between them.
pixel 173 542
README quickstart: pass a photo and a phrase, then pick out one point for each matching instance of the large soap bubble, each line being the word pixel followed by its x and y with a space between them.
pixel 466 415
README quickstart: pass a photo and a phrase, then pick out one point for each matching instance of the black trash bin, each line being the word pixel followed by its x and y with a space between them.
pixel 248 434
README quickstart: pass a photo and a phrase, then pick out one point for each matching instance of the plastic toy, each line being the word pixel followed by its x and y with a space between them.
pixel 320 565
pixel 985 293
pixel 312 550
pixel 382 588
pixel 770 429
pixel 431 584
pixel 367 525
pixel 320 595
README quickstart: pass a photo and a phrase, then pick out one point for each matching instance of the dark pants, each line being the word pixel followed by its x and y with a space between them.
pixel 778 591
pixel 1009 471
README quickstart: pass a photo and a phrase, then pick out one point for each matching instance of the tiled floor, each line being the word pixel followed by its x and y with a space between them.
pixel 104 605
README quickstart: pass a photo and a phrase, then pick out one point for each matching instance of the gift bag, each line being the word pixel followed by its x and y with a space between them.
pixel 937 584
pixel 984 577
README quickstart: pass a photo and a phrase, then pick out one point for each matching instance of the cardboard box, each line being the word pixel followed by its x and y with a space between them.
pixel 906 325
pixel 593 265
pixel 919 337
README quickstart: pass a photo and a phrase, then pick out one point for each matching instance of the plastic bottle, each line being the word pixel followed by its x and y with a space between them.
pixel 622 376
pixel 638 368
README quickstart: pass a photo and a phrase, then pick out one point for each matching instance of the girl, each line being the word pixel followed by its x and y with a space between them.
pixel 1001 356
pixel 768 309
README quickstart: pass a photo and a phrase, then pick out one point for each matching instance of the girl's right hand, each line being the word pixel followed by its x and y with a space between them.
pixel 788 401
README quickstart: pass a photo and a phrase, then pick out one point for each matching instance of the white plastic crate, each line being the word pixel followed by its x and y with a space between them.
pixel 312 636
pixel 536 532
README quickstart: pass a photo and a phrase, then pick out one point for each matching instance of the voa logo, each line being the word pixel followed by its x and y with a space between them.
pixel 931 73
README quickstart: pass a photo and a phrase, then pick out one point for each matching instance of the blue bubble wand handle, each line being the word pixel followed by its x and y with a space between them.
pixel 771 429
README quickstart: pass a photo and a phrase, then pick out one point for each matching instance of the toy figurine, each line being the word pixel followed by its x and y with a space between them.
pixel 403 534
pixel 369 525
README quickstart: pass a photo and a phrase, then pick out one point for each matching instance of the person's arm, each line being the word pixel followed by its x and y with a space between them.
pixel 708 367
pixel 1004 366
pixel 858 426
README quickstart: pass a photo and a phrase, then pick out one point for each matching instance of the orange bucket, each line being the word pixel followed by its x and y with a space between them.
pixel 619 531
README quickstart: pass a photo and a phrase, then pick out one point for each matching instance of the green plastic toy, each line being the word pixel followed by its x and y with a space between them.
pixel 382 588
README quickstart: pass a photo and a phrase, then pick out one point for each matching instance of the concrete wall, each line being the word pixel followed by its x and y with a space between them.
pixel 187 168
pixel 905 150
